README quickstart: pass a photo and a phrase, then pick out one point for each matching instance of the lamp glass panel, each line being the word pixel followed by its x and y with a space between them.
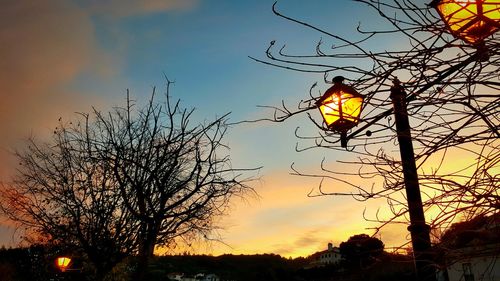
pixel 458 13
pixel 63 262
pixel 330 109
pixel 469 20
pixel 351 107
pixel 491 9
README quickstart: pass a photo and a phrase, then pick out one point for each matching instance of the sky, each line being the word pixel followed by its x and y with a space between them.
pixel 59 57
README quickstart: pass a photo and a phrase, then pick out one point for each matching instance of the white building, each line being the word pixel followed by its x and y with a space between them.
pixel 177 276
pixel 329 256
pixel 211 277
pixel 476 263
pixel 198 277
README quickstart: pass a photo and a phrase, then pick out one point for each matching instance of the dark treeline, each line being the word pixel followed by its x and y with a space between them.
pixel 37 263
pixel 271 267
pixel 234 267
pixel 363 258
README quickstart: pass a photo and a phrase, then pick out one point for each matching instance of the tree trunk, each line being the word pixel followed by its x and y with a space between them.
pixel 146 249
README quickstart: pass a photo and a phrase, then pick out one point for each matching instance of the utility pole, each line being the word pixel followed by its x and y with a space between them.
pixel 420 231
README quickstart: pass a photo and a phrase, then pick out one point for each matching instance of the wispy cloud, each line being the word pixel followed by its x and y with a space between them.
pixel 307 244
pixel 44 46
pixel 285 221
pixel 127 8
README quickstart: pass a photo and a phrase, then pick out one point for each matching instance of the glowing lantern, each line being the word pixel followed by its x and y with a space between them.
pixel 470 20
pixel 340 107
pixel 63 263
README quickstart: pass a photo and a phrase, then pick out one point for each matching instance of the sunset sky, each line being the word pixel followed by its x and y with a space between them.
pixel 59 57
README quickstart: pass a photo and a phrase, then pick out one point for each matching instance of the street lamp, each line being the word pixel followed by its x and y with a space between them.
pixel 340 107
pixel 63 263
pixel 470 20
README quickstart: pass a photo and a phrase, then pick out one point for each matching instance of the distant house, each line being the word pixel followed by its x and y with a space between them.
pixel 211 277
pixel 329 256
pixel 188 278
pixel 198 277
pixel 177 276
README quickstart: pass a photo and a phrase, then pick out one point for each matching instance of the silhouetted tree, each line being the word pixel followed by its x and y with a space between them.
pixel 452 99
pixel 361 250
pixel 64 194
pixel 126 181
pixel 480 230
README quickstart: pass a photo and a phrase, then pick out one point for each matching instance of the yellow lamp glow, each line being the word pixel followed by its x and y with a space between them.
pixel 340 107
pixel 470 20
pixel 63 263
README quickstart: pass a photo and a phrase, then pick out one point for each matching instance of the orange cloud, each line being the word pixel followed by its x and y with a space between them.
pixel 44 46
pixel 287 222
pixel 127 8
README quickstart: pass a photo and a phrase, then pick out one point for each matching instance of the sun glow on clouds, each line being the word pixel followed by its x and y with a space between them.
pixel 126 8
pixel 285 221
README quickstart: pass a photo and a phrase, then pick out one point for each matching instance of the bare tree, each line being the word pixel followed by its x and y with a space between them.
pixel 452 100
pixel 143 178
pixel 64 194
pixel 174 178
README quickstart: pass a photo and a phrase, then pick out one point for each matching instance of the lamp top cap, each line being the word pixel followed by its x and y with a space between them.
pixel 338 79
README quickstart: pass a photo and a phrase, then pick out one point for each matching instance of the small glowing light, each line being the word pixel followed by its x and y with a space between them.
pixel 63 263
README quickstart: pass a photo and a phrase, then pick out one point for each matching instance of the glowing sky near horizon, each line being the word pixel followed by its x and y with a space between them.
pixel 59 57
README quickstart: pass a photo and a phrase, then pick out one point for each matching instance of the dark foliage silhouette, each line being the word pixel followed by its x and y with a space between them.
pixel 361 250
